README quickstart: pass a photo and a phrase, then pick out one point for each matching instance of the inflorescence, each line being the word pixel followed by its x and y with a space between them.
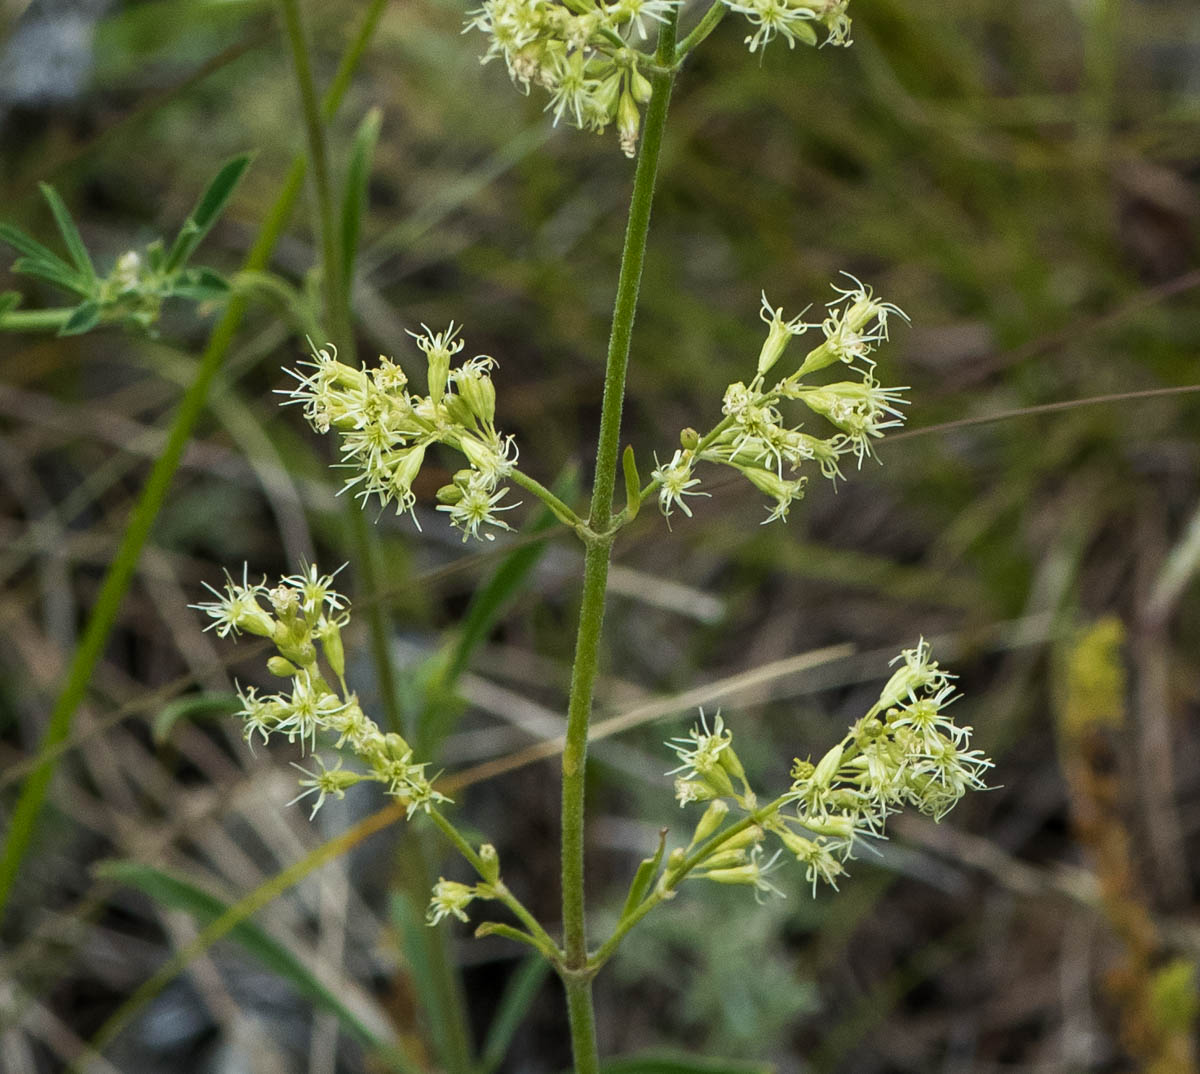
pixel 906 750
pixel 753 437
pixel 386 429
pixel 582 52
pixel 303 616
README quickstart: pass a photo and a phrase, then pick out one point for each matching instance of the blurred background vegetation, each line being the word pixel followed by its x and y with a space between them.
pixel 1022 177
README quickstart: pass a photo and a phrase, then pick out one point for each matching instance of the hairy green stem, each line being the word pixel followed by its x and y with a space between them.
pixel 671 880
pixel 34 320
pixel 120 574
pixel 341 328
pixel 542 939
pixel 561 511
pixel 703 28
pixel 596 561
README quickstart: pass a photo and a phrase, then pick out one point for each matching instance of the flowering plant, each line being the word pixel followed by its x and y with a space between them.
pixel 906 750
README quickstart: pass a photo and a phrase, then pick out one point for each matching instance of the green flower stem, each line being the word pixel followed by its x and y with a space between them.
pixel 671 879
pixel 703 28
pixel 574 970
pixel 34 320
pixel 337 313
pixel 116 582
pixel 561 511
pixel 538 936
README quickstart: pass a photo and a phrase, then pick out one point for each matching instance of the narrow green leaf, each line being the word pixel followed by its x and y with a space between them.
pixel 85 317
pixel 633 483
pixel 644 877
pixel 198 285
pixel 210 206
pixel 519 994
pixel 355 195
pixel 70 233
pixel 23 244
pixel 409 921
pixel 682 1064
pixel 57 272
pixel 193 707
pixel 178 893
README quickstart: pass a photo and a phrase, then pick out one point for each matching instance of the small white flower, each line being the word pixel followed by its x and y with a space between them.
pixel 450 898
pixel 237 608
pixel 477 507
pixel 675 482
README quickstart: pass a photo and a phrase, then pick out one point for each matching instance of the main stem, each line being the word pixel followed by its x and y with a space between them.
pixel 576 976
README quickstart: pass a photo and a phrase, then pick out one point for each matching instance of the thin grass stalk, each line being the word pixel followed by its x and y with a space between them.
pixel 451 1007
pixel 341 329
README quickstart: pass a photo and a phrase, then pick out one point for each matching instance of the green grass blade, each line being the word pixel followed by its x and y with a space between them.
pixel 116 582
pixel 210 206
pixel 192 707
pixel 178 893
pixel 518 997
pixel 354 197
pixel 70 234
pixel 427 970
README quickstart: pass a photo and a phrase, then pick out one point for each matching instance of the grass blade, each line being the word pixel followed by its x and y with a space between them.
pixel 429 982
pixel 210 206
pixel 178 893
pixel 354 198
pixel 70 234
pixel 518 997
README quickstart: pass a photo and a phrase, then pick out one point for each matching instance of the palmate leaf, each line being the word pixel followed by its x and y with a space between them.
pixel 210 206
pixel 31 248
pixel 56 272
pixel 84 318
pixel 70 234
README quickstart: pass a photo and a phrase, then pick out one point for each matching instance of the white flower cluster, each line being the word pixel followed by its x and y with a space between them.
pixel 386 429
pixel 579 52
pixel 794 20
pixel 303 617
pixel 753 437
pixel 905 751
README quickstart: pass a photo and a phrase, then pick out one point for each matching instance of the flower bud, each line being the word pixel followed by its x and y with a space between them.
pixel 491 863
pixel 640 86
pixel 713 818
pixel 331 646
pixel 689 439
pixel 629 121
pixel 277 665
pixel 828 766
